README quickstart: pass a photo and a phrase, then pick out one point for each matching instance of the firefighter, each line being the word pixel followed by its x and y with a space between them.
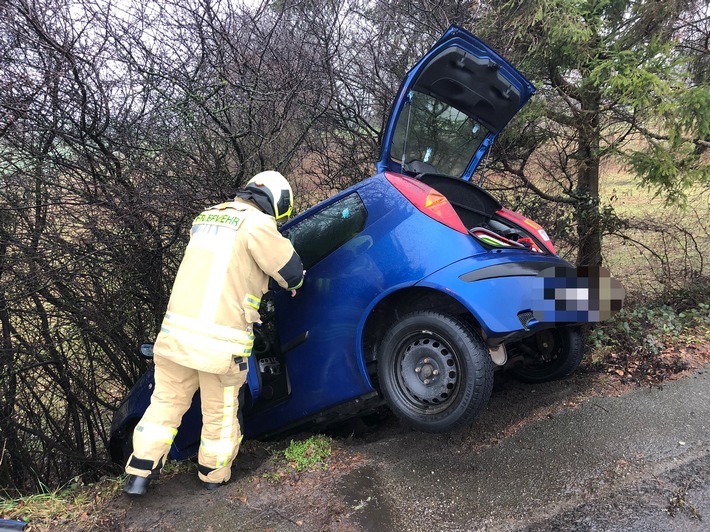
pixel 206 336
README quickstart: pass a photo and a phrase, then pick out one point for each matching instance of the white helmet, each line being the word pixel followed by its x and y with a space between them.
pixel 275 187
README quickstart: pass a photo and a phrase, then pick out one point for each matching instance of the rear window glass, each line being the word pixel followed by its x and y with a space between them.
pixel 323 232
pixel 432 132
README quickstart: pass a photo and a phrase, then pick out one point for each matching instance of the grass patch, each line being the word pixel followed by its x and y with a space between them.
pixel 310 453
pixel 73 503
pixel 658 248
pixel 302 455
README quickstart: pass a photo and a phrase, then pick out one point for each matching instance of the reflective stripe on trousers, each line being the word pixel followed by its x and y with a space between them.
pixel 157 433
pixel 221 448
pixel 221 433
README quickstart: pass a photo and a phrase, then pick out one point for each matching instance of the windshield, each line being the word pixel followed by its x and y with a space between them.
pixel 434 137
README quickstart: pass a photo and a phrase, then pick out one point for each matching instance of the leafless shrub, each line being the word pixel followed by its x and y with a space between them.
pixel 117 124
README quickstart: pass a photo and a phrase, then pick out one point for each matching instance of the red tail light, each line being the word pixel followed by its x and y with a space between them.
pixel 427 200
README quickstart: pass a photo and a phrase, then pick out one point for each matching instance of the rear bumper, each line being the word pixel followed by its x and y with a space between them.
pixel 516 295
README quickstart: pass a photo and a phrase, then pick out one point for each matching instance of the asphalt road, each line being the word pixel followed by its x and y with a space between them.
pixel 638 462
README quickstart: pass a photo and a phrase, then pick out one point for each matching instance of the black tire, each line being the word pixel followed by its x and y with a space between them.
pixel 435 371
pixel 550 355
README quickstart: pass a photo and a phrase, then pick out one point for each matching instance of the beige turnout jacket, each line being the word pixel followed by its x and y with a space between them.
pixel 234 248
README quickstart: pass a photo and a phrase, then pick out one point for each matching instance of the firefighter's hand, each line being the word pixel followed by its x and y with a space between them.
pixel 293 292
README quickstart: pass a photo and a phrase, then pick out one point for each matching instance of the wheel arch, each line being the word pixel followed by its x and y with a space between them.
pixel 401 302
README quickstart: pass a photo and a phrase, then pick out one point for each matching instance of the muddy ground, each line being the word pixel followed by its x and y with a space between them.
pixel 587 453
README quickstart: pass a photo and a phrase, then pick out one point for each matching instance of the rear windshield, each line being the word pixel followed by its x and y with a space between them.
pixel 432 132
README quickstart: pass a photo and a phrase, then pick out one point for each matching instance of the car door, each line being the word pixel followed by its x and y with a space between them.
pixel 317 328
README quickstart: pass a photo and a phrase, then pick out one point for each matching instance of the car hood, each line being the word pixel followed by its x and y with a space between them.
pixel 463 79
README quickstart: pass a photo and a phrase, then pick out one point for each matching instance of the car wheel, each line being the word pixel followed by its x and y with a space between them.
pixel 435 371
pixel 550 355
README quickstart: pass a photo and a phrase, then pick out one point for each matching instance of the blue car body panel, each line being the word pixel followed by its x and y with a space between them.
pixel 495 299
pixel 329 367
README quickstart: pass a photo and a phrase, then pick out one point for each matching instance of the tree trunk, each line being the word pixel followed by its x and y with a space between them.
pixel 589 226
pixel 589 249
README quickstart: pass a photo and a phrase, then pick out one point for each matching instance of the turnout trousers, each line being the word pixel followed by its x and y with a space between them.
pixel 175 385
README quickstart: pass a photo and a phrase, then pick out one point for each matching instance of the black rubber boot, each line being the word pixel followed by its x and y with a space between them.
pixel 136 485
pixel 213 485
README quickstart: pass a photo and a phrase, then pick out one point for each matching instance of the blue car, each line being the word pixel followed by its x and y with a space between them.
pixel 419 284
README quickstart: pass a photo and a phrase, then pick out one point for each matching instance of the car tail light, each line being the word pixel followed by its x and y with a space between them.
pixel 428 201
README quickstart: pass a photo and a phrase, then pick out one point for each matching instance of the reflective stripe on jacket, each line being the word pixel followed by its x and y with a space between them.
pixel 234 248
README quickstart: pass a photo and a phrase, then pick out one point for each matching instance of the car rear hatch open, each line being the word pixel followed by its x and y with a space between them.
pixel 450 107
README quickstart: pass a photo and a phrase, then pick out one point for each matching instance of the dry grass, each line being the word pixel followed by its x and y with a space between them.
pixel 663 247
pixel 78 505
pixel 74 503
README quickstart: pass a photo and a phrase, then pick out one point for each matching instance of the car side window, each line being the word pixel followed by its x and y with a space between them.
pixel 325 231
